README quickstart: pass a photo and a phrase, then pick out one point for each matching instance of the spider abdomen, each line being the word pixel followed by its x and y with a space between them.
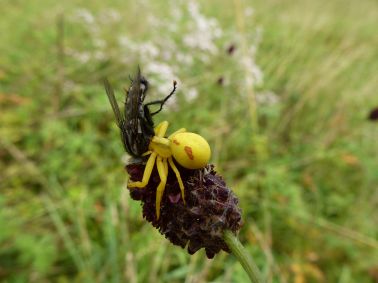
pixel 190 150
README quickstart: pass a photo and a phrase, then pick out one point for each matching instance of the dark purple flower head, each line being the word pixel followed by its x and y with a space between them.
pixel 210 209
pixel 373 115
pixel 231 49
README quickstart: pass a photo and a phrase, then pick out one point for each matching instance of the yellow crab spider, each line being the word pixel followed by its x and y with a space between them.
pixel 190 150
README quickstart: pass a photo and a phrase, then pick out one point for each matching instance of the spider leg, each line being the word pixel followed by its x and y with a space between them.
pixel 147 153
pixel 162 166
pixel 161 129
pixel 162 141
pixel 146 174
pixel 178 176
pixel 166 167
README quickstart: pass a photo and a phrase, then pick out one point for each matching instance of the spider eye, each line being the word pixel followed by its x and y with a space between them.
pixel 190 150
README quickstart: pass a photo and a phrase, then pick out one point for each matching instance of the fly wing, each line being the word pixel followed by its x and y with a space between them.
pixel 113 102
pixel 133 101
pixel 120 119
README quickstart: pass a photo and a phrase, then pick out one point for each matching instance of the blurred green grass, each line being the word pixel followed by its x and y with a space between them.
pixel 304 165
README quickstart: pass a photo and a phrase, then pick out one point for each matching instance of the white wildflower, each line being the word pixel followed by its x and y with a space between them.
pixel 257 74
pixel 166 55
pixel 124 41
pixel 184 58
pixel 176 13
pixel 191 94
pixel 193 8
pixel 82 57
pixel 99 55
pixel 162 70
pixel 110 15
pixel 148 49
pixel 217 32
pixel 84 15
pixel 249 12
pixel 99 43
pixel 204 58
pixel 127 45
pixel 68 86
pixel 153 21
pixel 267 98
pixel 253 73
pixel 203 31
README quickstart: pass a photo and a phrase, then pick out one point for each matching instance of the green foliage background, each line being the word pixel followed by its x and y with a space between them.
pixel 305 168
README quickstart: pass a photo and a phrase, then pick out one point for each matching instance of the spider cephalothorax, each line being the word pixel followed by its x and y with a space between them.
pixel 140 139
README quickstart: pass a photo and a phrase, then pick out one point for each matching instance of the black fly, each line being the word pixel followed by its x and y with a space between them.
pixel 136 123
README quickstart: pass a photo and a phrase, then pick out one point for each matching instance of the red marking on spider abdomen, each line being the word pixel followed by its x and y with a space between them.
pixel 189 152
pixel 176 142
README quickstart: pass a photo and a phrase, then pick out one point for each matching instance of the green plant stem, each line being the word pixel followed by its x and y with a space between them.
pixel 243 257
